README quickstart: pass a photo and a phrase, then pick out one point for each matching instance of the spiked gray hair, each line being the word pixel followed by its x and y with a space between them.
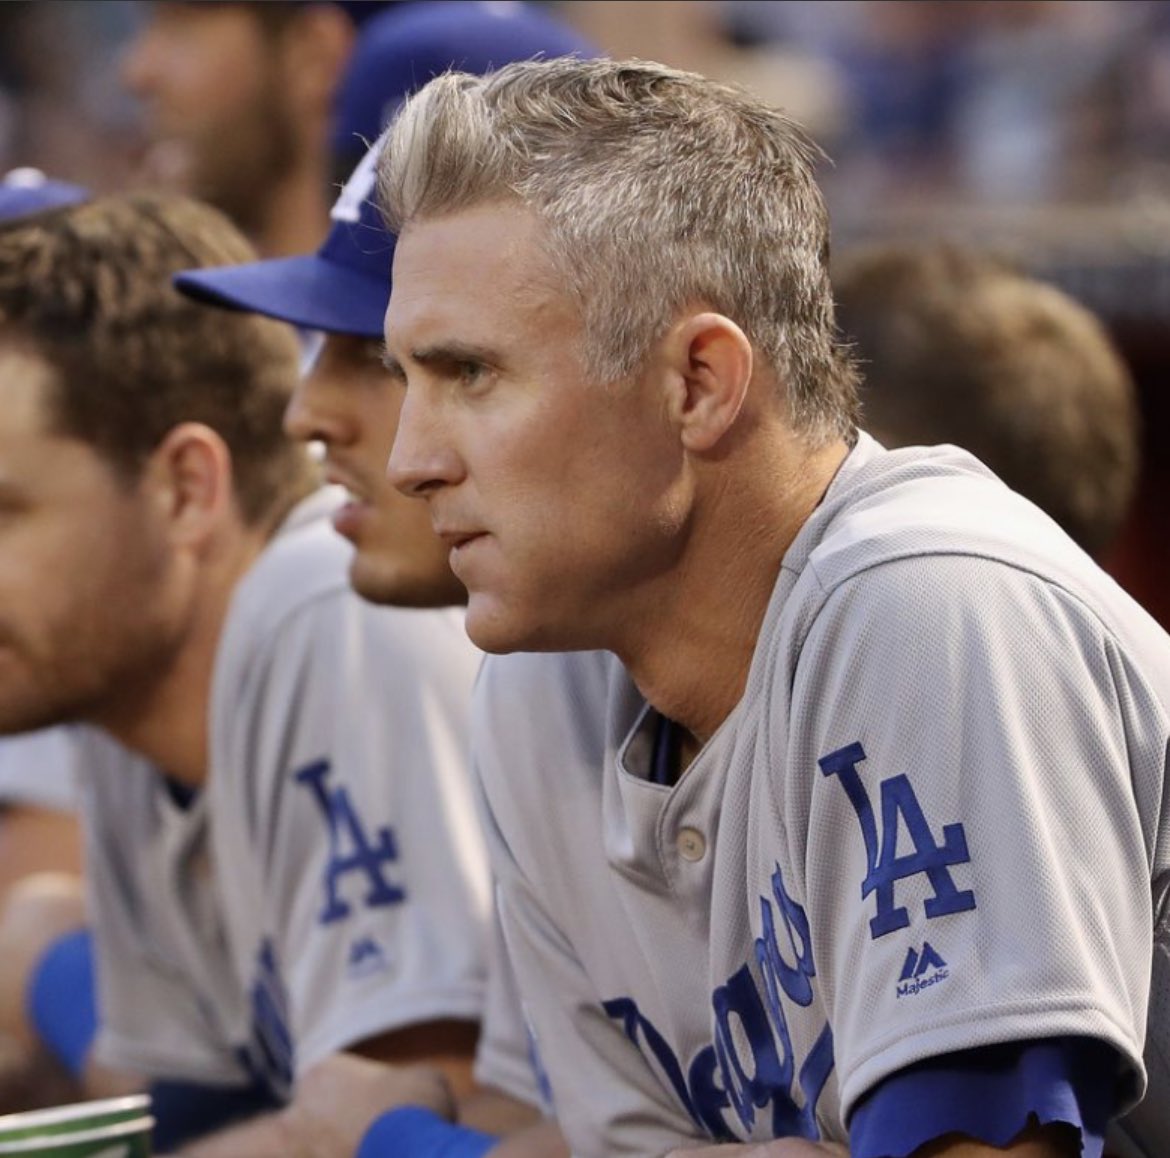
pixel 659 190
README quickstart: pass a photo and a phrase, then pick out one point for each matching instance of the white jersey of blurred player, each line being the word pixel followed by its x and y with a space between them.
pixel 505 1057
pixel 924 828
pixel 331 883
pixel 37 769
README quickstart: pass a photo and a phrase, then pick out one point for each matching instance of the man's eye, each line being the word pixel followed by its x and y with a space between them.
pixel 469 372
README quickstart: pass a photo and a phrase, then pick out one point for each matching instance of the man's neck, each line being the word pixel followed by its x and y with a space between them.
pixel 690 645
pixel 296 216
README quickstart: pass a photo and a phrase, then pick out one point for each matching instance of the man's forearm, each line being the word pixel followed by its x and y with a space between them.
pixel 542 1141
pixel 274 1135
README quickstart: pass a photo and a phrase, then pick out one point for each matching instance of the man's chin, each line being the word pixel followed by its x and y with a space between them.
pixel 15 720
pixel 499 630
pixel 401 587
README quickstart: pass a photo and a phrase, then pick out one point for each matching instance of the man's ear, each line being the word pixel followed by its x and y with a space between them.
pixel 190 477
pixel 709 360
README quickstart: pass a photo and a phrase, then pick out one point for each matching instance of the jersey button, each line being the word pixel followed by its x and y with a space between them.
pixel 691 845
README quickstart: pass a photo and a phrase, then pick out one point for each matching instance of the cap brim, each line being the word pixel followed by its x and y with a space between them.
pixel 17 201
pixel 307 291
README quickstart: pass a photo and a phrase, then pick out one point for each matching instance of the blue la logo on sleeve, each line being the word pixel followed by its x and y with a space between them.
pixel 886 868
pixel 350 848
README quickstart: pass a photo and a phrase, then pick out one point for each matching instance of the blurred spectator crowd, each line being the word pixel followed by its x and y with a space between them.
pixel 983 101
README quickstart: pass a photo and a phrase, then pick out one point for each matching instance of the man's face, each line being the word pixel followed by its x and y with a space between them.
pixel 87 590
pixel 559 497
pixel 217 121
pixel 351 404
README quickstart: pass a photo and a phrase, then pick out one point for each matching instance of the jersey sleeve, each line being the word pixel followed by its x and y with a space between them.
pixel 38 769
pixel 343 786
pixel 150 1018
pixel 960 796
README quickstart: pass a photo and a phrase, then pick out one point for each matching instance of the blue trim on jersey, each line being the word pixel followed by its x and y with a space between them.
pixel 989 1094
pixel 182 795
pixel 666 753
pixel 422 1134
pixel 184 1111
pixel 60 999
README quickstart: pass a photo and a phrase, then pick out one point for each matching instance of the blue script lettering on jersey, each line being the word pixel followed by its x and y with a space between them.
pixel 271 1054
pixel 885 866
pixel 350 848
pixel 720 1076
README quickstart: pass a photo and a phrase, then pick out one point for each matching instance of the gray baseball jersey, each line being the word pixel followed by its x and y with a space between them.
pixel 342 888
pixel 505 1058
pixel 37 768
pixel 931 823
pixel 169 1003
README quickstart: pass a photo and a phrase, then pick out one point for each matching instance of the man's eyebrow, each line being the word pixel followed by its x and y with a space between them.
pixel 453 352
pixel 391 364
pixel 442 354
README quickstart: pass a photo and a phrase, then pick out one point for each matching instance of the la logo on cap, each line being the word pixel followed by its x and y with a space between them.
pixel 356 191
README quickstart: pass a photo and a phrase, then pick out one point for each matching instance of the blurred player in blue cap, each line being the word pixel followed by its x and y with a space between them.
pixel 343 288
pixel 349 403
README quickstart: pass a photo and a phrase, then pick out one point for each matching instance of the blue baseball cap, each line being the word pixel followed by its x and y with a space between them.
pixel 399 52
pixel 26 191
pixel 344 287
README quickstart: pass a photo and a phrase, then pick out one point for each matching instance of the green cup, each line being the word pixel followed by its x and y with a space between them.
pixel 73 1118
pixel 129 1138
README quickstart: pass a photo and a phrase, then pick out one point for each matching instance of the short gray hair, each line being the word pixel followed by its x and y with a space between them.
pixel 659 190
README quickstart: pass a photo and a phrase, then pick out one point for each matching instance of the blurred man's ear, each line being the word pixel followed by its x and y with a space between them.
pixel 314 49
pixel 189 477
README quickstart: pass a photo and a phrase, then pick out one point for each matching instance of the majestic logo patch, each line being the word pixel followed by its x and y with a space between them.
pixel 365 958
pixel 921 970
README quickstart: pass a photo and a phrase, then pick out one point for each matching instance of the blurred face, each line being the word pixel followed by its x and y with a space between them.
pixel 558 496
pixel 216 118
pixel 351 404
pixel 86 590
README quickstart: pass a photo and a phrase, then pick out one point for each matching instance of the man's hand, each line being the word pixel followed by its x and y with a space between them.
pixel 338 1099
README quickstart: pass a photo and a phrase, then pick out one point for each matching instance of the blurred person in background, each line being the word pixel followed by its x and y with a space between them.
pixel 38 831
pixel 958 347
pixel 40 839
pixel 282 851
pixel 237 99
pixel 349 403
